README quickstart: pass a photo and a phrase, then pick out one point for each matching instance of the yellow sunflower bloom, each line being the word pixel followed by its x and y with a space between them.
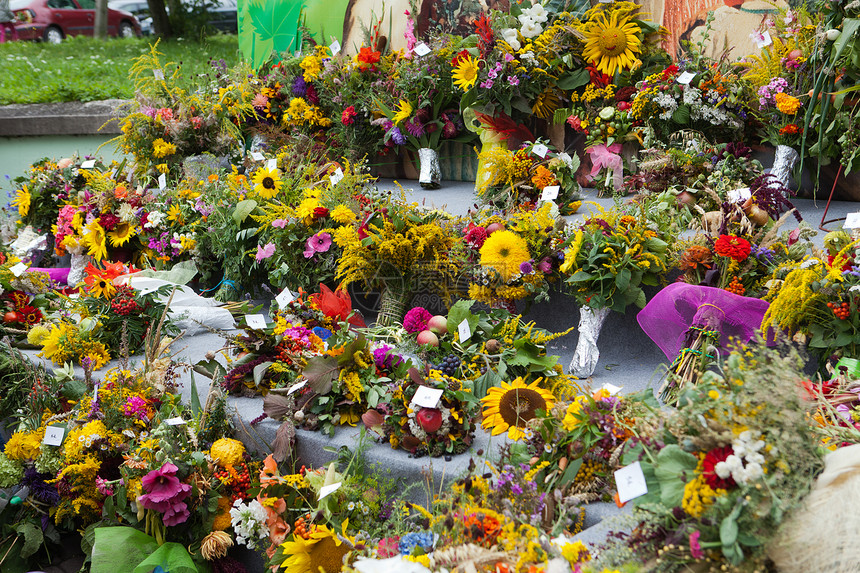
pixel 466 73
pixel 323 550
pixel 267 182
pixel 612 44
pixel 22 201
pixel 404 111
pixel 94 239
pixel 121 234
pixel 504 251
pixel 510 407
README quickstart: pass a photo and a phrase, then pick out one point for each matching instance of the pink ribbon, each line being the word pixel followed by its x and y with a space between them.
pixel 607 156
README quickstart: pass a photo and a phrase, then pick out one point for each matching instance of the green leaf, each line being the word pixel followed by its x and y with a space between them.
pixel 260 371
pixel 321 372
pixel 33 538
pixel 73 389
pixel 672 468
pixel 574 79
pixel 243 209
pixel 372 397
pixel 195 397
pixel 266 27
pixel 622 279
pixel 681 115
pixel 580 276
pixel 728 530
pixel 462 311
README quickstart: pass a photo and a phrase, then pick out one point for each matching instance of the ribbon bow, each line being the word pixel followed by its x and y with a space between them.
pixel 607 156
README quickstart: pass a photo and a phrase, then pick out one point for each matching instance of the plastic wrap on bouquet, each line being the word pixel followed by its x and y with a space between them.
pixel 587 354
pixel 783 162
pixel 78 269
pixel 29 246
pixel 431 173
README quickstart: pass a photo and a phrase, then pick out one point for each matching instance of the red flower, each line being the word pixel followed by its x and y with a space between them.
pixel 709 464
pixel 482 26
pixel 461 55
pixel 670 71
pixel 599 79
pixel 336 304
pixel 733 247
pixel 320 213
pixel 476 236
pixel 368 58
pixel 108 221
pixel 29 314
pixel 790 129
pixel 348 115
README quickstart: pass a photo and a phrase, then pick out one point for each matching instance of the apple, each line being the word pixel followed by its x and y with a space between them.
pixel 430 419
pixel 493 227
pixel 438 324
pixel 10 317
pixel 428 337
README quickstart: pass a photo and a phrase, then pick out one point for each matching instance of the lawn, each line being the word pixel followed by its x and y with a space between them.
pixel 86 69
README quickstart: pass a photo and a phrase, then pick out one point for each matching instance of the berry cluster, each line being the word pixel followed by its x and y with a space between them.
pixel 735 287
pixel 450 364
pixel 237 478
pixel 842 311
pixel 123 302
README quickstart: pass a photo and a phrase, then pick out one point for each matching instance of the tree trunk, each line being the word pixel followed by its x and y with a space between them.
pixel 160 20
pixel 101 28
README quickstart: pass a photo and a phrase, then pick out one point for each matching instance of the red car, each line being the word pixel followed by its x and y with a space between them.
pixel 53 20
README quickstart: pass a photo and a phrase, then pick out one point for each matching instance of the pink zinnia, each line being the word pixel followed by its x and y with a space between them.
pixel 476 236
pixel 416 319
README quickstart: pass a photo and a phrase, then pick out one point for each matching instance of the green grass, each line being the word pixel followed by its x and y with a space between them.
pixel 86 69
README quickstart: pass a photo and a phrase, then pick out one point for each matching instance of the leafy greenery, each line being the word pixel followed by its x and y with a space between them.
pixel 86 69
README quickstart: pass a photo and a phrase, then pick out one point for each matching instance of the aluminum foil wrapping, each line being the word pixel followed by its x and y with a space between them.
pixel 586 355
pixel 430 174
pixel 78 268
pixel 783 163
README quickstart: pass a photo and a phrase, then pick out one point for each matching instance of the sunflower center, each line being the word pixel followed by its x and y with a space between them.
pixel 612 41
pixel 268 183
pixel 517 407
pixel 327 555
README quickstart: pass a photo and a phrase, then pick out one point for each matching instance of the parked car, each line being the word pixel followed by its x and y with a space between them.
pixel 53 20
pixel 224 16
pixel 139 8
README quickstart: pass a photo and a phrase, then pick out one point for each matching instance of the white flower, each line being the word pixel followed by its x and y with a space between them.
pixel 855 288
pixel 526 19
pixel 511 37
pixel 538 13
pixel 809 263
pixel 722 470
pixel 528 57
pixel 249 522
pixel 531 30
pixel 755 458
pixel 154 219
pixel 734 463
pixel 754 472
pixel 126 213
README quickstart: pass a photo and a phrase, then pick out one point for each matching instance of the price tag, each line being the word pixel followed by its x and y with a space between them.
pixel 159 75
pixel 257 156
pixel 257 321
pixel 177 421
pixel 336 177
pixel 852 221
pixel 54 435
pixel 464 330
pixel 18 269
pixel 272 164
pixel 685 78
pixel 162 181
pixel 550 192
pixel 327 490
pixel 611 388
pixel 285 298
pixel 335 48
pixel 741 194
pixel 297 387
pixel 762 40
pixel 630 482
pixel 421 49
pixel 540 150
pixel 88 164
pixel 427 397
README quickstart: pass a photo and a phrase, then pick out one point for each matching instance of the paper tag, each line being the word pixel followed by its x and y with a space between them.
pixel 285 298
pixel 162 181
pixel 113 174
pixel 54 435
pixel 88 164
pixel 611 388
pixel 272 164
pixel 334 47
pixel 96 390
pixel 297 387
pixel 763 40
pixel 327 490
pixel 177 421
pixel 852 221
pixel 257 321
pixel 257 156
pixel 427 397
pixel 550 192
pixel 741 194
pixel 464 330
pixel 159 74
pixel 18 269
pixel 421 49
pixel 540 150
pixel 685 78
pixel 336 177
pixel 630 482
pixel 607 1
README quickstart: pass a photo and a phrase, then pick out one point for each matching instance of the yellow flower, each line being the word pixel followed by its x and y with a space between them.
pixel 466 73
pixel 504 251
pixel 570 421
pixel 312 67
pixel 22 201
pixel 161 148
pixel 342 214
pixel 323 550
pixel 174 214
pixel 510 407
pixel 121 234
pixel 94 239
pixel 24 445
pixel 267 182
pixel 612 44
pixel 403 112
pixel 787 104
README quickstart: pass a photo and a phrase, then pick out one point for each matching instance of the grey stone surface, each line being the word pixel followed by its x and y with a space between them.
pixel 69 118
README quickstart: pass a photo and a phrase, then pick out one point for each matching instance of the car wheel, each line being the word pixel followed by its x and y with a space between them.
pixel 126 30
pixel 53 35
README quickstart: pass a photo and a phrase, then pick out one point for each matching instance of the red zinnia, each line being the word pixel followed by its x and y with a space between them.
pixel 476 236
pixel 30 314
pixel 348 115
pixel 320 213
pixel 790 129
pixel 733 247
pixel 709 464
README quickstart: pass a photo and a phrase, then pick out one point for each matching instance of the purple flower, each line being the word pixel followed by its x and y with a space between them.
pixel 162 486
pixel 416 319
pixel 319 243
pixel 492 74
pixel 415 127
pixel 509 57
pixel 264 252
pixel 487 84
pixel 385 358
pixel 513 80
pixel 526 267
pixel 396 136
pixel 695 548
pixel 300 88
pixel 545 265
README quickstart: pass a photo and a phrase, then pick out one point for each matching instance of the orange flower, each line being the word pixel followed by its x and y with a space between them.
pixel 120 192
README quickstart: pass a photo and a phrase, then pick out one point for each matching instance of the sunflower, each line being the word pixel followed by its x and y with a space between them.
pixel 121 234
pixel 612 44
pixel 466 73
pixel 99 285
pixel 22 201
pixel 510 407
pixel 505 251
pixel 322 550
pixel 267 182
pixel 545 104
pixel 95 240
pixel 404 110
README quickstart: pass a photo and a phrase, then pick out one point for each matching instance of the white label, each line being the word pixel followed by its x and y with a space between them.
pixel 257 321
pixel 96 390
pixel 741 194
pixel 285 298
pixel 540 150
pixel 54 435
pixel 88 164
pixel 113 174
pixel 334 47
pixel 630 482
pixel 336 177
pixel 18 269
pixel 177 421
pixel 464 330
pixel 685 78
pixel 427 397
pixel 257 156
pixel 607 1
pixel 159 74
pixel 421 49
pixel 550 192
pixel 852 221
pixel 611 388
pixel 763 40
pixel 297 387
pixel 272 164
pixel 327 490
pixel 162 181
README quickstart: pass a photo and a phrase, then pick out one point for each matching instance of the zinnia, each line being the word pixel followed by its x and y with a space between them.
pixel 733 247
